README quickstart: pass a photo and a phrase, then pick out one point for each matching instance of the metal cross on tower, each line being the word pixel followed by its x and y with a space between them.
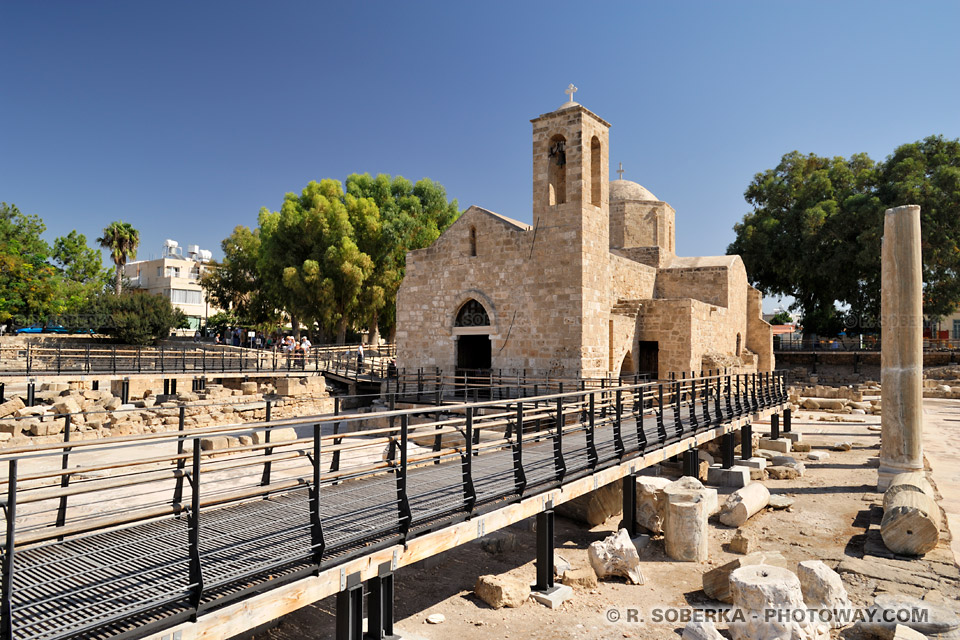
pixel 570 91
pixel 620 171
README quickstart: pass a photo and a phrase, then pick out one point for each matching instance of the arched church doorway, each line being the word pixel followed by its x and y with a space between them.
pixel 471 330
pixel 626 367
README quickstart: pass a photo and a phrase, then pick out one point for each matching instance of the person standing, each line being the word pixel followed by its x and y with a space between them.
pixel 360 358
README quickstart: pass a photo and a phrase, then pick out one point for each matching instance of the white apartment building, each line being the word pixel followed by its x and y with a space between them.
pixel 176 277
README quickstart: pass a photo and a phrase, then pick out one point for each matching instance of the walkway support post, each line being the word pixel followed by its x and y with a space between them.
pixel 775 426
pixel 380 605
pixel 787 419
pixel 629 521
pixel 746 442
pixel 544 550
pixel 691 460
pixel 727 449
pixel 350 610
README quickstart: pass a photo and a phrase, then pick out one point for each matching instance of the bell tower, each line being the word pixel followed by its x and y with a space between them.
pixel 572 231
pixel 570 164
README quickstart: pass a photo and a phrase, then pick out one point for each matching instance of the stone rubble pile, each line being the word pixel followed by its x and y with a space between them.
pixel 100 413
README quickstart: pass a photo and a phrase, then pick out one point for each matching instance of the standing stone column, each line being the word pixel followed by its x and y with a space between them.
pixel 901 359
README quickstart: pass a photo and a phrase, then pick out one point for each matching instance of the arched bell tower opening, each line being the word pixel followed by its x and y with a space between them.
pixel 596 182
pixel 471 330
pixel 557 171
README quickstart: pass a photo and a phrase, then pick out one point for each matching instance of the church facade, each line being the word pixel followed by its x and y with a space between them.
pixel 592 288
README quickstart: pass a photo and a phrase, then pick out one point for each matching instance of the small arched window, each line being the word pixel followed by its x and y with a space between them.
pixel 557 170
pixel 473 241
pixel 472 314
pixel 595 171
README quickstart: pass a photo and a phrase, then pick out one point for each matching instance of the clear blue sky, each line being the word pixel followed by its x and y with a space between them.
pixel 185 118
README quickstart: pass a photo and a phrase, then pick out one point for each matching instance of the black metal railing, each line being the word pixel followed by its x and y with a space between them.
pixel 144 531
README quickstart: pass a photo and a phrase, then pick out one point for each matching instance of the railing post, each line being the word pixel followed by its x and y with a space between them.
pixel 64 477
pixel 31 393
pixel 736 397
pixel 86 360
pixel 592 458
pixel 6 603
pixel 520 478
pixel 268 451
pixel 469 491
pixel 405 515
pixel 162 365
pixel 638 418
pixel 677 418
pixel 316 527
pixel 181 461
pixel 730 413
pixel 196 569
pixel 787 419
pixel 693 403
pixel 58 360
pixel 661 427
pixel 617 417
pixel 706 403
pixel 335 461
pixel 775 426
pixel 113 358
pixel 558 462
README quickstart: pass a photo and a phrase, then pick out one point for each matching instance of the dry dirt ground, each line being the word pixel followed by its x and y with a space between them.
pixel 828 521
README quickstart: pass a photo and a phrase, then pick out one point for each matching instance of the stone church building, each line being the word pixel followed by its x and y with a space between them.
pixel 594 287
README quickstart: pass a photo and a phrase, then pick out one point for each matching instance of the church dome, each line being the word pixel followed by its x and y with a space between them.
pixel 628 190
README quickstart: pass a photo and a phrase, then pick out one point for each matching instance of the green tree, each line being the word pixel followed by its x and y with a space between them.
pixel 816 226
pixel 138 317
pixel 927 173
pixel 121 240
pixel 411 216
pixel 81 276
pixel 311 258
pixel 27 285
pixel 781 318
pixel 795 242
pixel 235 283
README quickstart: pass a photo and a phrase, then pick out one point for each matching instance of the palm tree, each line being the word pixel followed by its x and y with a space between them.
pixel 122 240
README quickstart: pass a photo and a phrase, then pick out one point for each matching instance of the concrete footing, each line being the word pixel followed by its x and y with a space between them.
pixel 753 463
pixel 736 476
pixel 780 445
pixel 553 597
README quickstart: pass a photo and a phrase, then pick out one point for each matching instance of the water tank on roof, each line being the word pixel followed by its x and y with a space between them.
pixel 193 248
pixel 205 255
pixel 171 244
